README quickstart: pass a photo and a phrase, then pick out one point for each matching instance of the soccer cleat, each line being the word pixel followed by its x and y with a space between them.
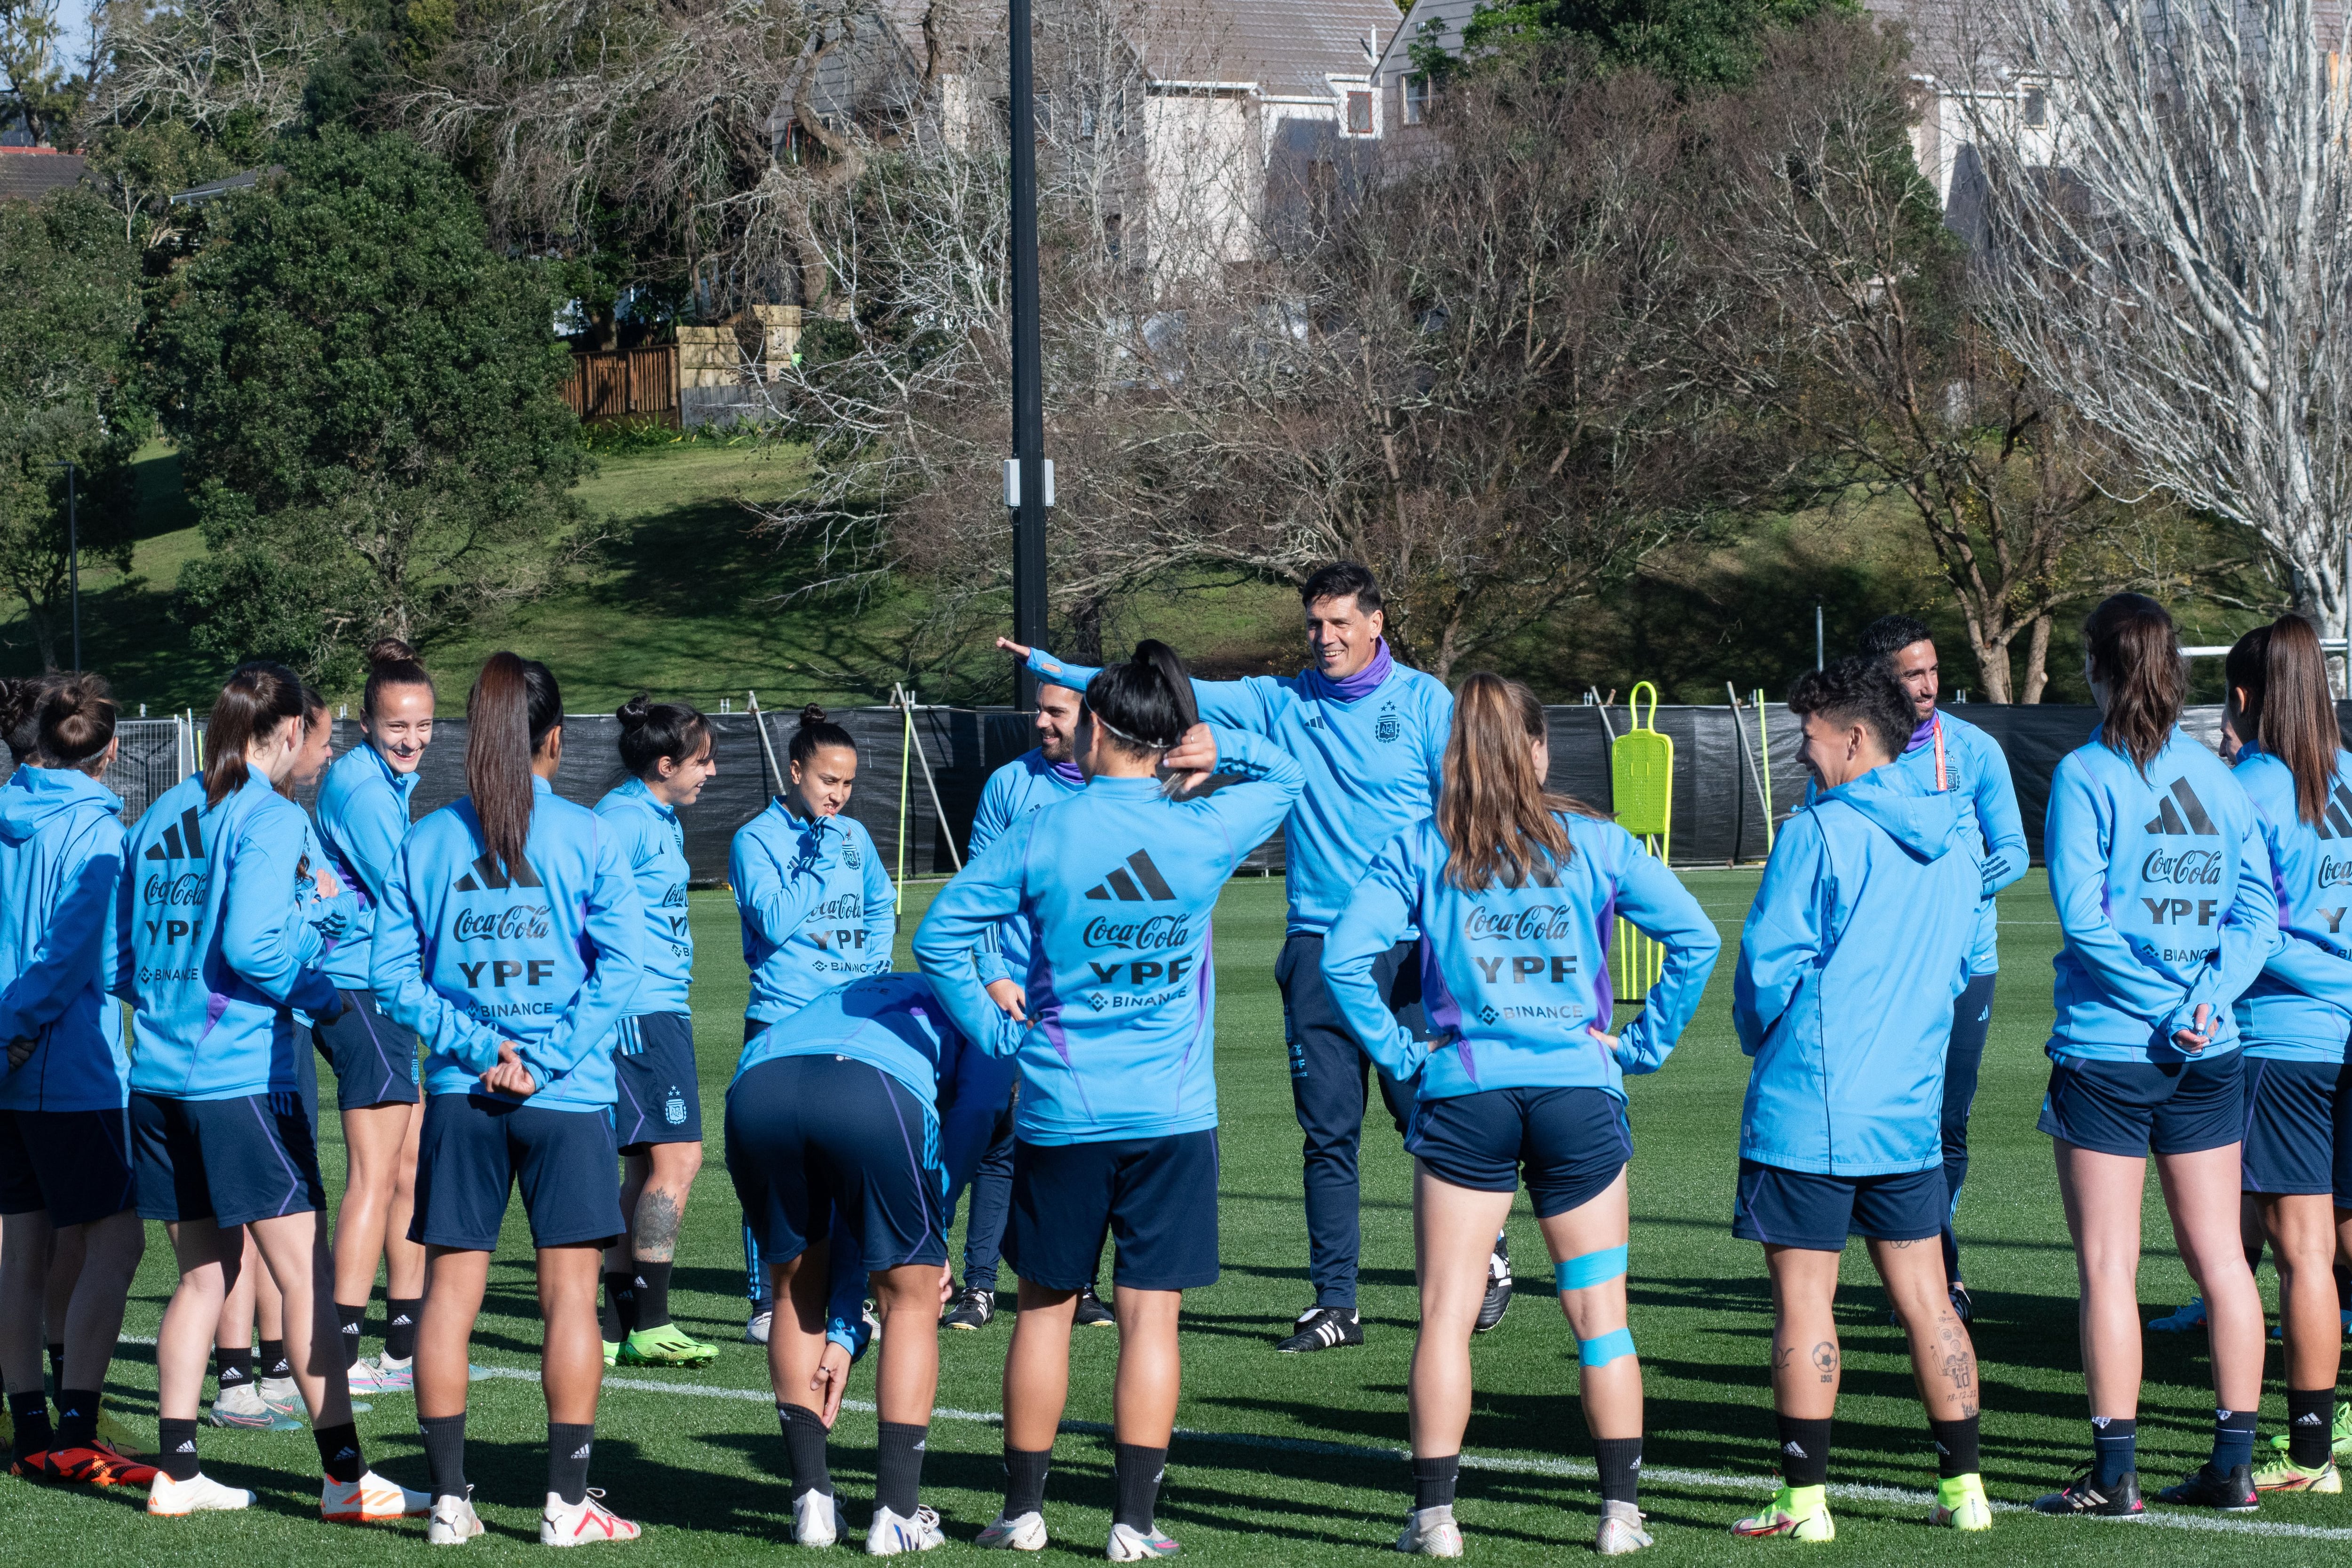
pixel 2284 1475
pixel 1128 1544
pixel 755 1332
pixel 816 1519
pixel 584 1523
pixel 973 1308
pixel 2083 1495
pixel 2339 1441
pixel 381 1374
pixel 1960 1504
pixel 371 1500
pixel 285 1399
pixel 2192 1316
pixel 32 1466
pixel 2231 1491
pixel 1498 1300
pixel 1094 1312
pixel 1322 1329
pixel 889 1534
pixel 668 1345
pixel 612 1352
pixel 1025 1533
pixel 242 1406
pixel 1620 1530
pixel 1801 1513
pixel 1964 1306
pixel 203 1494
pixel 453 1521
pixel 1431 1533
pixel 98 1463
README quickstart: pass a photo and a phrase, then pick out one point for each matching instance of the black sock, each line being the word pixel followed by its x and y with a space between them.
pixel 2114 1450
pixel 2343 1288
pixel 232 1366
pixel 349 1318
pixel 567 1458
pixel 2310 1423
pixel 2233 1439
pixel 897 1465
pixel 1024 1480
pixel 1621 1469
pixel 58 1365
pixel 804 1438
pixel 1804 1451
pixel 1956 1446
pixel 1138 1470
pixel 339 1452
pixel 651 1287
pixel 445 1453
pixel 77 1417
pixel 1433 1478
pixel 30 1411
pixel 272 1360
pixel 175 1442
pixel 400 1315
pixel 620 1307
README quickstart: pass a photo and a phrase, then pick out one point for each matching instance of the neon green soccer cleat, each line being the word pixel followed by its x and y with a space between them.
pixel 2340 1436
pixel 1960 1504
pixel 1801 1513
pixel 2284 1475
pixel 668 1345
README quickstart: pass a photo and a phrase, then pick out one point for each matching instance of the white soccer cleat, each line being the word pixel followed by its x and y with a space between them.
pixel 816 1519
pixel 587 1522
pixel 1025 1533
pixel 755 1332
pixel 173 1499
pixel 453 1521
pixel 371 1500
pixel 891 1534
pixel 1431 1533
pixel 1620 1530
pixel 1128 1544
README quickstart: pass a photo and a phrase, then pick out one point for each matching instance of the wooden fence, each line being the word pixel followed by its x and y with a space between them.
pixel 629 383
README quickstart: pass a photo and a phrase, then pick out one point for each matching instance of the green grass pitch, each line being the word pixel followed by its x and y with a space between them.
pixel 1291 1461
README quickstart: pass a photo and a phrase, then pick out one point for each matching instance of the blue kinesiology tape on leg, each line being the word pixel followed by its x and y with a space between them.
pixel 1602 1349
pixel 1589 1269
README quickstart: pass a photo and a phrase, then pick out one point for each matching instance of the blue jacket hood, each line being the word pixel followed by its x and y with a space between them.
pixel 1918 819
pixel 36 797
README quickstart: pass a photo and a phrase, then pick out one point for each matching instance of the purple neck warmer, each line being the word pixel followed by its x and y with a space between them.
pixel 1363 682
pixel 1067 773
pixel 1922 735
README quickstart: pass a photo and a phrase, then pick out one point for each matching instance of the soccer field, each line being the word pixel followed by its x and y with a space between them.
pixel 1298 1460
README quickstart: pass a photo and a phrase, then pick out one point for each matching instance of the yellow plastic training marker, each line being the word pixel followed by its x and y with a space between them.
pixel 1641 784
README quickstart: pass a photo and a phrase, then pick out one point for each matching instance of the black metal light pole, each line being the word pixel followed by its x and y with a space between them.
pixel 73 562
pixel 1028 362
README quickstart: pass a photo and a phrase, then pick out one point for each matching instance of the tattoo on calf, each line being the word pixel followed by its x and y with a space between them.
pixel 1825 1360
pixel 659 1215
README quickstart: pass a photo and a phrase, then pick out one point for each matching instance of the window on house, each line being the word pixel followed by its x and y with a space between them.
pixel 1113 234
pixel 2037 107
pixel 1360 112
pixel 1416 98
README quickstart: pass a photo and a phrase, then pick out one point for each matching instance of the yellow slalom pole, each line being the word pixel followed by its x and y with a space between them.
pixel 906 755
pixel 1764 754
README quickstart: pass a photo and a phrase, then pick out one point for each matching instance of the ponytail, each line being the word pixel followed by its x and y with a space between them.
pixel 76 721
pixel 512 708
pixel 2286 709
pixel 2136 654
pixel 1146 704
pixel 1497 818
pixel 651 731
pixel 391 662
pixel 260 697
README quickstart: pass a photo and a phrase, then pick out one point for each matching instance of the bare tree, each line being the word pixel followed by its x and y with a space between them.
pixel 2166 188
pixel 208 62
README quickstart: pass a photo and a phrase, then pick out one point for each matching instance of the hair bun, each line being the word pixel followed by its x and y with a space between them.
pixel 812 716
pixel 634 713
pixel 388 651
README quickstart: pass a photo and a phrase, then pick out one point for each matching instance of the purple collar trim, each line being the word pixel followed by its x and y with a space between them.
pixel 1922 735
pixel 1360 684
pixel 1068 772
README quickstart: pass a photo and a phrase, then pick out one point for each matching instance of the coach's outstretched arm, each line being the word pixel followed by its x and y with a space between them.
pixel 1781 944
pixel 1232 704
pixel 2074 842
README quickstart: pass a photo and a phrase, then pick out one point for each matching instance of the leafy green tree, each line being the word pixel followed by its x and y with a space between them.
pixel 39 87
pixel 68 326
pixel 1695 43
pixel 365 396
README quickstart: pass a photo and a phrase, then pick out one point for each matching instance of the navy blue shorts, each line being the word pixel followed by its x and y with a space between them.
pixel 1571 1142
pixel 1804 1208
pixel 473 1152
pixel 812 1137
pixel 2291 1109
pixel 1157 1196
pixel 229 1161
pixel 658 1100
pixel 76 1165
pixel 374 1059
pixel 2133 1108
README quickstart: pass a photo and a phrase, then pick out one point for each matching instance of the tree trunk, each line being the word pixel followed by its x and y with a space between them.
pixel 2037 658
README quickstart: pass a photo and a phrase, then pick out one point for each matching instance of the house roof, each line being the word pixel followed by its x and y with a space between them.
pixel 1944 32
pixel 1289 47
pixel 1448 16
pixel 28 173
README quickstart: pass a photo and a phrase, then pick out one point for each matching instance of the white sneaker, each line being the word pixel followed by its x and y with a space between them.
pixel 755 1332
pixel 371 1500
pixel 1620 1530
pixel 284 1399
pixel 816 1519
pixel 1023 1533
pixel 453 1521
pixel 584 1523
pixel 1431 1533
pixel 381 1374
pixel 240 1405
pixel 202 1495
pixel 1128 1544
pixel 890 1535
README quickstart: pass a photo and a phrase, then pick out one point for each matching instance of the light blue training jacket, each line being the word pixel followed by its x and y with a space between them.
pixel 1117 884
pixel 1854 953
pixel 1372 767
pixel 2163 886
pixel 2299 1009
pixel 816 906
pixel 212 955
pixel 362 813
pixel 654 846
pixel 1515 980
pixel 61 844
pixel 545 956
pixel 1026 783
pixel 1976 767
